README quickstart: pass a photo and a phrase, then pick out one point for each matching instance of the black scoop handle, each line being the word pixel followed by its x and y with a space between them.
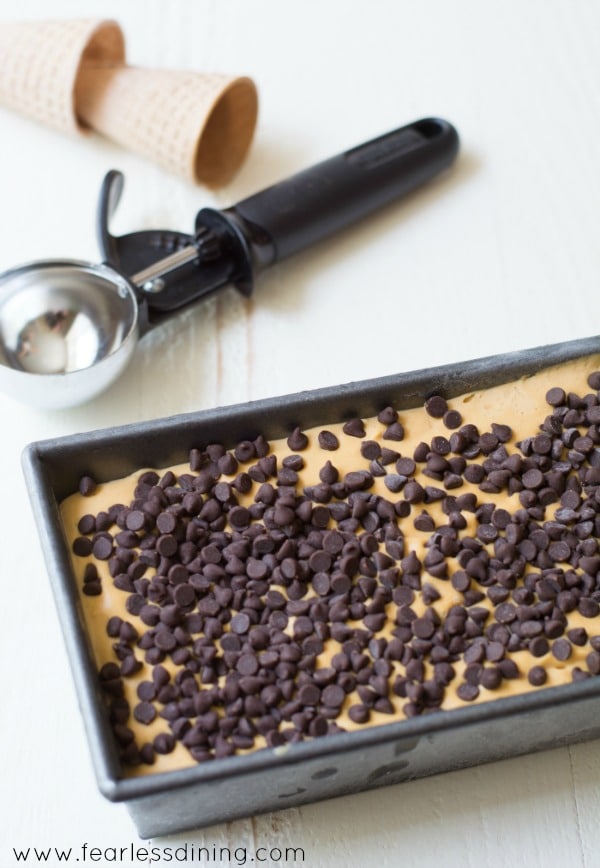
pixel 234 244
pixel 325 198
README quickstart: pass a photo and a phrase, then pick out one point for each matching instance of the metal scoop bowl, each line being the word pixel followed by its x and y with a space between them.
pixel 68 329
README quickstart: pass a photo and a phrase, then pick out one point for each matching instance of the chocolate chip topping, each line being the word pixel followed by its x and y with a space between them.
pixel 238 573
pixel 436 406
pixel 452 419
pixel 328 440
pixel 354 428
pixel 87 486
pixel 297 441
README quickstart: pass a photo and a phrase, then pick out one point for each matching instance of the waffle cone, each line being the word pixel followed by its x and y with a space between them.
pixel 72 75
pixel 40 63
pixel 196 125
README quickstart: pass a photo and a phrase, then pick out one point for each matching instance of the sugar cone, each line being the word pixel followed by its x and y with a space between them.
pixel 40 62
pixel 72 75
pixel 196 125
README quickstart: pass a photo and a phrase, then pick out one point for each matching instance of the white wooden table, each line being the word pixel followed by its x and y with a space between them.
pixel 500 254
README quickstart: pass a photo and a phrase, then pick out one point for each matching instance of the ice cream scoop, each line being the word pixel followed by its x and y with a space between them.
pixel 68 328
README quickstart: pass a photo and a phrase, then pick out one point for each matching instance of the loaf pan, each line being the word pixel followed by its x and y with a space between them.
pixel 271 779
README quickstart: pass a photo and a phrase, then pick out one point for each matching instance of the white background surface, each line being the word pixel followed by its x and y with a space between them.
pixel 500 254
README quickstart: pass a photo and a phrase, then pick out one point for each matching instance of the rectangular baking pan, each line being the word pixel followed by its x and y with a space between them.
pixel 272 779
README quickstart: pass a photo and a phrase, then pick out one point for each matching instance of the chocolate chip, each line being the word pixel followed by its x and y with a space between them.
pixel 452 419
pixel 328 440
pixel 593 662
pixel 440 445
pixel 354 428
pixel 92 587
pixel 588 607
pixel 508 668
pixel 537 676
pixel 487 533
pixel 491 678
pixel 87 486
pixel 359 713
pixel 370 449
pixel 436 406
pixel 387 416
pixel 164 743
pixel 247 664
pixel 533 478
pixel 102 547
pixel 395 482
pixel 86 524
pixel 467 692
pixel 541 444
pixel 414 492
pixel 421 452
pixel 395 431
pixel 424 522
pixel 82 546
pixel 474 473
pixel 503 433
pixel 577 636
pixel 297 441
pixel 556 396
pixel 239 517
pixel 424 627
pixel 309 694
pixel 333 695
pixel 538 646
pixel 405 466
pixel 240 623
pixel 144 712
pixel 561 649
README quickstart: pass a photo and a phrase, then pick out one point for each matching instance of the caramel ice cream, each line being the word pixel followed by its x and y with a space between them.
pixel 363 571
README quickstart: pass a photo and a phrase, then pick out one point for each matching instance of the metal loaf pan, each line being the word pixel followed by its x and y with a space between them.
pixel 271 779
